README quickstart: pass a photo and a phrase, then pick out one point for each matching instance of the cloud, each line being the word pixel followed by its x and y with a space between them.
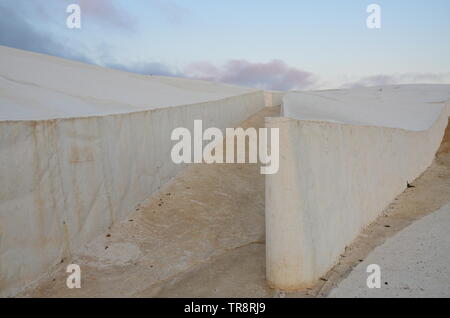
pixel 107 12
pixel 275 75
pixel 104 12
pixel 145 68
pixel 173 12
pixel 403 78
pixel 19 28
pixel 17 32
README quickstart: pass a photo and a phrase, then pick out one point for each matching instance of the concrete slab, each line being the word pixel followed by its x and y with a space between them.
pixel 414 263
pixel 37 87
pixel 413 107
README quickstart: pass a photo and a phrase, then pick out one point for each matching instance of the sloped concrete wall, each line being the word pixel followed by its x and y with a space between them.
pixel 334 179
pixel 273 98
pixel 64 181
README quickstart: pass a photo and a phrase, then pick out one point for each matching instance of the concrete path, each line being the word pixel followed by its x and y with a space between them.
pixel 414 263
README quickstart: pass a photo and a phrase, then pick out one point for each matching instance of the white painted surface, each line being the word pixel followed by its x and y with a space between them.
pixel 64 181
pixel 273 98
pixel 414 262
pixel 411 107
pixel 335 178
pixel 36 86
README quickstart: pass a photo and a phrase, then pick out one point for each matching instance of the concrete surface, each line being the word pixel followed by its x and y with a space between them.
pixel 273 98
pixel 335 178
pixel 37 87
pixel 413 107
pixel 63 181
pixel 239 272
pixel 207 212
pixel 234 272
pixel 77 176
pixel 414 263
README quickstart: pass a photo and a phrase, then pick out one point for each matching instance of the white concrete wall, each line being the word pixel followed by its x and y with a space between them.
pixel 64 181
pixel 273 98
pixel 37 87
pixel 334 179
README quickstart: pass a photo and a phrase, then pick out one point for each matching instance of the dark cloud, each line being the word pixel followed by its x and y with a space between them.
pixel 151 68
pixel 105 11
pixel 405 78
pixel 17 32
pixel 276 75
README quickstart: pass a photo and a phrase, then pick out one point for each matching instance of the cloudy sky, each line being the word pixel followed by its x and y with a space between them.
pixel 287 44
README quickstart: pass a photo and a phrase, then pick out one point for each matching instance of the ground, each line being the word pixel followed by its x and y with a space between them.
pixel 413 263
pixel 203 236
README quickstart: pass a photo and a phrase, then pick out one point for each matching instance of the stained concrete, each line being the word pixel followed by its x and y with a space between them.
pixel 428 193
pixel 168 264
pixel 337 176
pixel 76 155
pixel 209 210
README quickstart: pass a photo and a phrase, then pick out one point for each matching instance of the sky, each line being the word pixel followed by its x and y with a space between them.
pixel 281 45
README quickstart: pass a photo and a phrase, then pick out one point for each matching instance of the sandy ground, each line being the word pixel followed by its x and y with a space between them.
pixel 203 236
